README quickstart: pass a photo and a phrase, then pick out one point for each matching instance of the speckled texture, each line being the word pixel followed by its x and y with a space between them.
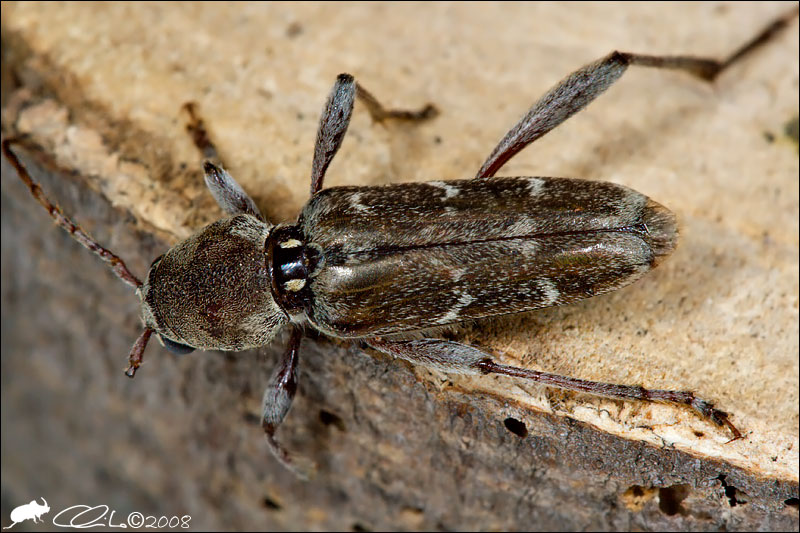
pixel 720 317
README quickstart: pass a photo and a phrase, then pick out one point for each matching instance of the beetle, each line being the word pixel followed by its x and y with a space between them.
pixel 391 265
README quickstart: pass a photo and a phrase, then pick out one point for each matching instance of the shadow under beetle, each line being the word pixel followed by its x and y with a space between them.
pixel 382 264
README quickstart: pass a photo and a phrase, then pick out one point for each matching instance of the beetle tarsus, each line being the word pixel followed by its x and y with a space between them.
pixel 302 467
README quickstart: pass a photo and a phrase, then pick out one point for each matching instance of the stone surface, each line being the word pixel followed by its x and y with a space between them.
pixel 100 87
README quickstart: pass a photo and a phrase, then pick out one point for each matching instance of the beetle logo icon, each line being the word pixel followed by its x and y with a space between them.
pixel 32 510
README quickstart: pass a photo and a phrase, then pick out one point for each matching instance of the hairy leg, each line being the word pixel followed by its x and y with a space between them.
pixel 456 358
pixel 580 88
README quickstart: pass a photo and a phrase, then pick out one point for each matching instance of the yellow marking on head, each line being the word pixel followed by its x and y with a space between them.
pixel 291 243
pixel 295 285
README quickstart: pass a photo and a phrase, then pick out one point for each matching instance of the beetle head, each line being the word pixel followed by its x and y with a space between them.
pixel 213 290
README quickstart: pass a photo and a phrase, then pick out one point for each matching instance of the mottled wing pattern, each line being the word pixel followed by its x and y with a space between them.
pixel 413 256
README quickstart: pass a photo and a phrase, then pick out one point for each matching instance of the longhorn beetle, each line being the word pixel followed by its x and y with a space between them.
pixel 388 265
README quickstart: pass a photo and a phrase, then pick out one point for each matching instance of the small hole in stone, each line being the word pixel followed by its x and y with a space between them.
pixel 359 527
pixel 270 504
pixel 636 497
pixel 330 419
pixel 670 498
pixel 250 418
pixel 699 434
pixel 793 502
pixel 730 493
pixel 294 29
pixel 734 495
pixel 516 427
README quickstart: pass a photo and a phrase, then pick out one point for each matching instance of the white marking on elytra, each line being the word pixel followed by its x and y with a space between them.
pixel 291 243
pixel 452 314
pixel 535 186
pixel 549 291
pixel 295 285
pixel 458 273
pixel 355 203
pixel 449 190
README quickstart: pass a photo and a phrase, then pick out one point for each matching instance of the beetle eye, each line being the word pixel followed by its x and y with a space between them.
pixel 156 260
pixel 176 347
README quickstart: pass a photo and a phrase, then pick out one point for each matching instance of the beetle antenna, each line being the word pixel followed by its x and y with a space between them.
pixel 117 265
pixel 135 357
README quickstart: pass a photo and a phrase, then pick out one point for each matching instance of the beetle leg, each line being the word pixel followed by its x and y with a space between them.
pixel 336 118
pixel 197 129
pixel 277 400
pixel 228 193
pixel 379 113
pixel 578 89
pixel 455 358
pixel 332 127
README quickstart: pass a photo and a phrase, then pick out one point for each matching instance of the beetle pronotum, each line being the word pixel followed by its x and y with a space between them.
pixel 389 265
